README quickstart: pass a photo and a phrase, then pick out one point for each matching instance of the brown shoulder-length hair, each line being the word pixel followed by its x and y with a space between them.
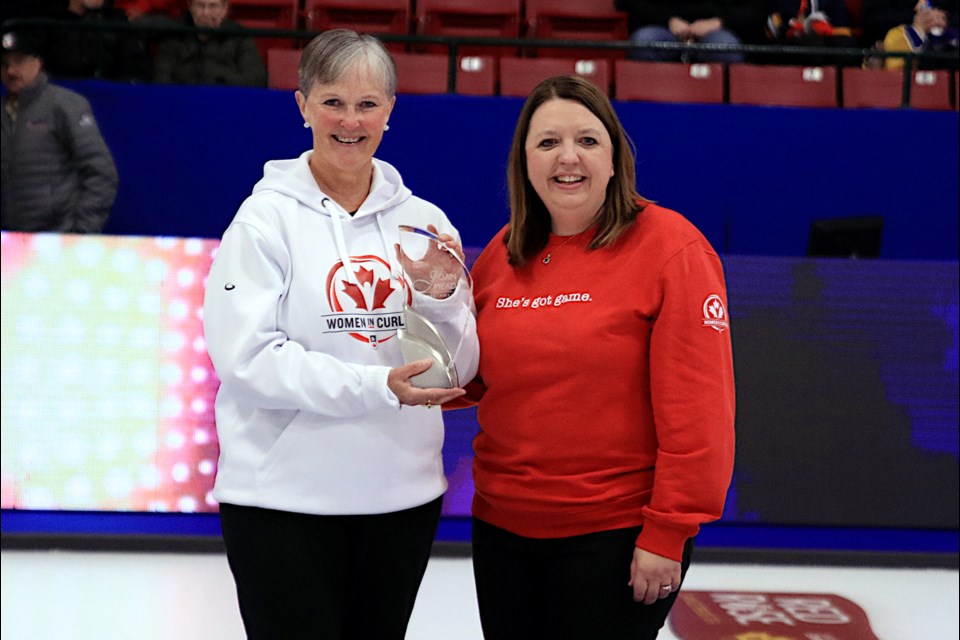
pixel 529 227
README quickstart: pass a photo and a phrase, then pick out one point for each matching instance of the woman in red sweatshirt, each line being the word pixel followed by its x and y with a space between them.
pixel 605 387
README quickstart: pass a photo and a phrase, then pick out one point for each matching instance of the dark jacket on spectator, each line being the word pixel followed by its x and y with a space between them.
pixel 221 59
pixel 95 53
pixel 57 172
pixel 745 18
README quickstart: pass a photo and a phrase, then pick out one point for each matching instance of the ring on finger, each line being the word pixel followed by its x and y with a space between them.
pixel 429 405
pixel 666 587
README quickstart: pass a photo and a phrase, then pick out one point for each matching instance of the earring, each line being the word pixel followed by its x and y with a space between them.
pixel 386 127
pixel 306 125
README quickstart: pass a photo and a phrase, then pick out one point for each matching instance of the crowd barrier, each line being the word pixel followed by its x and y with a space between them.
pixel 507 64
pixel 754 179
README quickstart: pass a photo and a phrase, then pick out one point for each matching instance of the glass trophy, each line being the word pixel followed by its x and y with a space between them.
pixel 439 293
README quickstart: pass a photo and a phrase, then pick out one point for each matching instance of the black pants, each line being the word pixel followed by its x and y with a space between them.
pixel 304 576
pixel 562 588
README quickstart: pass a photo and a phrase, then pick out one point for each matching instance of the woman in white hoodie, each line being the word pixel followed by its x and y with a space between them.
pixel 330 475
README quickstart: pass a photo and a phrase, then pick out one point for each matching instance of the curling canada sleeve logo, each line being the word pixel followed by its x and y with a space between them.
pixel 715 313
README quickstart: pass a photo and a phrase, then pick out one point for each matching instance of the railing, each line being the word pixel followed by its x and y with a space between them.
pixel 841 57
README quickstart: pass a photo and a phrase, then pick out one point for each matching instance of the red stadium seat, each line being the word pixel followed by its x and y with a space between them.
pixel 477 75
pixel 668 81
pixel 428 73
pixel 266 14
pixel 487 19
pixel 363 16
pixel 281 13
pixel 785 86
pixel 930 90
pixel 877 88
pixel 518 76
pixel 884 89
pixel 282 68
pixel 416 72
pixel 421 72
pixel 956 90
pixel 575 20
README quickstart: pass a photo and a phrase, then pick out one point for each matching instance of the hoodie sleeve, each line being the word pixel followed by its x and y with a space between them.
pixel 251 354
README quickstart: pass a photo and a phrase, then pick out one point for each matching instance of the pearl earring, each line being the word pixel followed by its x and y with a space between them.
pixel 306 125
pixel 386 127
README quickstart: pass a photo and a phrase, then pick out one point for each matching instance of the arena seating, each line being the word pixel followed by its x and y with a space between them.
pixel 282 65
pixel 365 16
pixel 668 81
pixel 429 73
pixel 468 18
pixel 518 76
pixel 509 70
pixel 785 86
pixel 267 14
pixel 575 20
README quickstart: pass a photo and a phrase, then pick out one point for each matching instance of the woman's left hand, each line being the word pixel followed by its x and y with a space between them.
pixel 653 577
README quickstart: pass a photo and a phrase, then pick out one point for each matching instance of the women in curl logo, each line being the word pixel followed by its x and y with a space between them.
pixel 363 304
pixel 715 313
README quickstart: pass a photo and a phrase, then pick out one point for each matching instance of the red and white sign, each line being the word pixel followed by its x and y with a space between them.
pixel 748 615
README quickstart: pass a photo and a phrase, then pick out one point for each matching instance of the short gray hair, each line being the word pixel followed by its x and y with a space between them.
pixel 331 53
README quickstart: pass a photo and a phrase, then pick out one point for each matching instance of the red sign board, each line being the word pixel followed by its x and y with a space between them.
pixel 751 615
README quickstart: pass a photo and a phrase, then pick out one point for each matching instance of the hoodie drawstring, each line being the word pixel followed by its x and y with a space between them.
pixel 338 239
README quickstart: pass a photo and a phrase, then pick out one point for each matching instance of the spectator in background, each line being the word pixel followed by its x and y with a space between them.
pixel 734 22
pixel 209 58
pixel 814 23
pixel 909 25
pixel 95 53
pixel 57 172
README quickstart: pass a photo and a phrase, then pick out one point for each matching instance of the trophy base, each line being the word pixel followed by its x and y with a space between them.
pixel 420 340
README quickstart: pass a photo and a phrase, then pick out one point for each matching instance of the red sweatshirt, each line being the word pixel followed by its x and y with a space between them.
pixel 609 393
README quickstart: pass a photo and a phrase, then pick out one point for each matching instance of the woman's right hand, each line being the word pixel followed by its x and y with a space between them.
pixel 437 272
pixel 399 382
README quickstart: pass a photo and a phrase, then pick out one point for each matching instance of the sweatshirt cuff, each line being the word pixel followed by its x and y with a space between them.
pixel 374 390
pixel 663 540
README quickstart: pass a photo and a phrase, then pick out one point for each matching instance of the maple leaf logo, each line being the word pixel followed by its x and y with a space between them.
pixel 355 293
pixel 716 309
pixel 381 292
pixel 382 289
pixel 714 313
pixel 364 275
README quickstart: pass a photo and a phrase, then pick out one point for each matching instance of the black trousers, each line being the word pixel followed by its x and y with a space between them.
pixel 562 588
pixel 305 576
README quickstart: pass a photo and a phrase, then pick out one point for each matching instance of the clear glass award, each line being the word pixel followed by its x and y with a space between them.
pixel 439 291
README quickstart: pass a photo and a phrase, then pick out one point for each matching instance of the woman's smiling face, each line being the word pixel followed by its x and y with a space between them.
pixel 347 117
pixel 569 160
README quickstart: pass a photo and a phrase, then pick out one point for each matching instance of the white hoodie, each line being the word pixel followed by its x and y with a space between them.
pixel 302 306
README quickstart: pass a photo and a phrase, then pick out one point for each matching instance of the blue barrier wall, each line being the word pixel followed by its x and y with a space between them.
pixel 752 178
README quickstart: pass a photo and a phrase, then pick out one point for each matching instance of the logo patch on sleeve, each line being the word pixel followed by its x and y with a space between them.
pixel 715 313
